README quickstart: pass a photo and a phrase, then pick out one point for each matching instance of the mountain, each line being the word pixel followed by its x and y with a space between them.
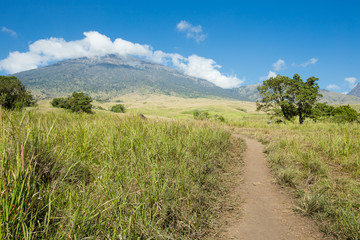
pixel 355 91
pixel 111 76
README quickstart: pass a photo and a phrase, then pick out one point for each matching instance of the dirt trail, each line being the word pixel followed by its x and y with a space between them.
pixel 266 211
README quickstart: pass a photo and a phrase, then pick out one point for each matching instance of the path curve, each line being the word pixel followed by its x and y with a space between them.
pixel 266 211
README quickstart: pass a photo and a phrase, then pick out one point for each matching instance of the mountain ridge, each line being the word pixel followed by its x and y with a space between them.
pixel 110 76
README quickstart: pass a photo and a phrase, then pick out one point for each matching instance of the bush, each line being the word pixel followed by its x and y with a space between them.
pixel 201 115
pixel 204 115
pixel 345 113
pixel 13 94
pixel 77 102
pixel 118 108
pixel 59 102
pixel 219 118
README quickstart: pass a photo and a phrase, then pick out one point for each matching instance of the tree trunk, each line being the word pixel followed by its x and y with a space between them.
pixel 301 117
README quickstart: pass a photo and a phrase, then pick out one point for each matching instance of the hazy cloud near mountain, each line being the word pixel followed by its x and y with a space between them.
pixel 351 81
pixel 46 51
pixel 332 87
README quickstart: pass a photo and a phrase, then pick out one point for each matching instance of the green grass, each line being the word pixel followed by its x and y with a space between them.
pixel 321 163
pixel 104 176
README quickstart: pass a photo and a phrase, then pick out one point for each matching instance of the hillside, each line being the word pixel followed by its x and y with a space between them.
pixel 111 76
pixel 250 93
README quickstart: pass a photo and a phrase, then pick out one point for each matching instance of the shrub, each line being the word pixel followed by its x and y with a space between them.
pixel 201 115
pixel 77 102
pixel 323 110
pixel 345 113
pixel 118 108
pixel 219 118
pixel 204 115
pixel 58 102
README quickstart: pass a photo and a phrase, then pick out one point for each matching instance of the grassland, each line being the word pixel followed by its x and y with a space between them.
pixel 106 176
pixel 155 179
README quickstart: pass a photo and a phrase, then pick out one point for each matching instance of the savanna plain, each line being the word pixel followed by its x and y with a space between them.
pixel 118 176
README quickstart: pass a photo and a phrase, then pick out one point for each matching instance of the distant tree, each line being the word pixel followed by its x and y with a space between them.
pixel 13 94
pixel 77 102
pixel 288 97
pixel 118 108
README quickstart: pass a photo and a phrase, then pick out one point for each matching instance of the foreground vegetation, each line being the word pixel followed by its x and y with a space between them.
pixel 321 163
pixel 104 176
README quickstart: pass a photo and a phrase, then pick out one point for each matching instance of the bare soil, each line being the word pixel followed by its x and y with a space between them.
pixel 266 210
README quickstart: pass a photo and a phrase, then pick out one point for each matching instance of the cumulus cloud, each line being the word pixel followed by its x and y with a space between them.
pixel 9 31
pixel 351 81
pixel 279 65
pixel 333 87
pixel 271 74
pixel 310 61
pixel 45 51
pixel 191 31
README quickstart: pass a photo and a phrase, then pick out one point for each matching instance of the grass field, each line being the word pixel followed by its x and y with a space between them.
pixel 106 176
pixel 73 176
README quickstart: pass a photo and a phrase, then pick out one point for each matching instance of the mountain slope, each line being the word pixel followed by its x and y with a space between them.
pixel 251 94
pixel 355 91
pixel 111 76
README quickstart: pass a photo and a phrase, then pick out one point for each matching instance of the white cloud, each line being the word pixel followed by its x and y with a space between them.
pixel 351 81
pixel 45 51
pixel 271 74
pixel 310 61
pixel 333 87
pixel 191 31
pixel 279 65
pixel 208 69
pixel 9 31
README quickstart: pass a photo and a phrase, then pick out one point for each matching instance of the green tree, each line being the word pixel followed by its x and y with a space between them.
pixel 13 94
pixel 118 108
pixel 288 97
pixel 77 102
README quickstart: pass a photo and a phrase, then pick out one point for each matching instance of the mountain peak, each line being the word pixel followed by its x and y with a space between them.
pixel 355 91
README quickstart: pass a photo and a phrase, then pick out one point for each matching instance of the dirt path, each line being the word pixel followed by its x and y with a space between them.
pixel 266 211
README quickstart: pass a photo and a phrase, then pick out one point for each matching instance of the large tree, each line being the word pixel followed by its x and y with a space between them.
pixel 288 97
pixel 13 94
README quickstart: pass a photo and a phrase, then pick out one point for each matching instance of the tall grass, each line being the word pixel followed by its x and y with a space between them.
pixel 77 176
pixel 321 162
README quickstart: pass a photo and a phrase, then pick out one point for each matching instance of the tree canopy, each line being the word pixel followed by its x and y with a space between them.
pixel 13 94
pixel 77 102
pixel 288 97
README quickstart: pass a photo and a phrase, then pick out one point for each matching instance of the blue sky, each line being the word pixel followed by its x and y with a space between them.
pixel 250 40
